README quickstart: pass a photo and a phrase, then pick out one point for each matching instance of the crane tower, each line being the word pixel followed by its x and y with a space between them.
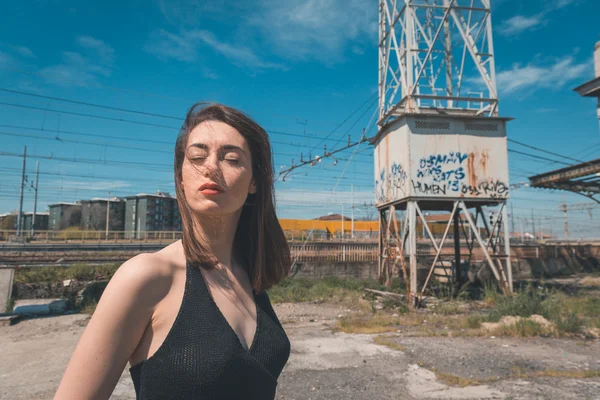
pixel 440 151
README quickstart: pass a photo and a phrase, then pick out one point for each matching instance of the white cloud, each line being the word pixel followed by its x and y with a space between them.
pixel 294 29
pixel 315 29
pixel 20 50
pixel 563 3
pixel 532 76
pixel 185 47
pixel 166 45
pixel 77 69
pixel 519 23
pixel 187 13
pixel 240 55
pixel 24 51
pixel 104 51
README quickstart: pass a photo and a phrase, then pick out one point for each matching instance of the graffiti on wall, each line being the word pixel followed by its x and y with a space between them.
pixel 380 187
pixel 446 174
pixel 393 182
pixel 443 170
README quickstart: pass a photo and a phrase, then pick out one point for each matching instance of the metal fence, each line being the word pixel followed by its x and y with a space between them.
pixel 334 251
pixel 76 236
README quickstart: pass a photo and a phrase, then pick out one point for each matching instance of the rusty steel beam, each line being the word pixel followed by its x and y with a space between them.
pixel 564 175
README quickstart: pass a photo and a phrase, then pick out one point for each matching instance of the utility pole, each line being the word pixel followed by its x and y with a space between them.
pixel 533 225
pixel 564 208
pixel 342 221
pixel 37 178
pixel 107 214
pixel 20 216
pixel 352 199
pixel 512 219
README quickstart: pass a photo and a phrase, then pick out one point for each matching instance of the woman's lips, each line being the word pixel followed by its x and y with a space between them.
pixel 210 188
pixel 210 191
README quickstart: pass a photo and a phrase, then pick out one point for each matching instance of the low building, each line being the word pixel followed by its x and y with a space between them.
pixel 151 213
pixel 64 215
pixel 41 221
pixel 93 214
pixel 177 224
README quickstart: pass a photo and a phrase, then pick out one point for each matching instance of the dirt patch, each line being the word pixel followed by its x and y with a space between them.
pixel 325 364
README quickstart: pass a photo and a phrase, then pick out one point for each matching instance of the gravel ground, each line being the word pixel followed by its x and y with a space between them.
pixel 327 365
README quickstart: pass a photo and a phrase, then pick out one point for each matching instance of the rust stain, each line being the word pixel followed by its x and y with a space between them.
pixel 471 169
pixel 483 161
pixel 387 165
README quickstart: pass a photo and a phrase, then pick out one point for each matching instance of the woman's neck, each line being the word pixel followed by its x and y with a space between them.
pixel 218 233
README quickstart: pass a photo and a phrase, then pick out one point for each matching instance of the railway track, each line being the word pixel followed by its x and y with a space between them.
pixel 69 254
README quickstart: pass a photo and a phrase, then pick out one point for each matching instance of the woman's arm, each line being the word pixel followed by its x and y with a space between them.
pixel 115 329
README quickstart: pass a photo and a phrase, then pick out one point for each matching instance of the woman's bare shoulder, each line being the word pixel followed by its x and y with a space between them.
pixel 147 274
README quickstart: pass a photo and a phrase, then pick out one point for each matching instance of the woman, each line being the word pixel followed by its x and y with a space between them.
pixel 194 319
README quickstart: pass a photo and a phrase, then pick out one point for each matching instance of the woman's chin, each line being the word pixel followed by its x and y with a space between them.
pixel 213 208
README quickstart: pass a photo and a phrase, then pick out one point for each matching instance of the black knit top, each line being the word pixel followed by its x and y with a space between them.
pixel 203 358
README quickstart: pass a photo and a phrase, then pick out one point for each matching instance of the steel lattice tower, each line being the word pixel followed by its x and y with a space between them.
pixel 441 145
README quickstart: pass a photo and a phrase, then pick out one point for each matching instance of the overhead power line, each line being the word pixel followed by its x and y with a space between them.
pixel 83 103
pixel 170 143
pixel 344 121
pixel 537 157
pixel 545 151
pixel 90 115
pixel 270 131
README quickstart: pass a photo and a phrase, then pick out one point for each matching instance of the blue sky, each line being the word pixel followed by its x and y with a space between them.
pixel 299 68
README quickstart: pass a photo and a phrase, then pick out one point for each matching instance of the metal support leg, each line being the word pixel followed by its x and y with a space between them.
pixel 503 284
pixel 457 256
pixel 412 239
pixel 507 249
pixel 426 226
pixel 439 251
pixel 382 230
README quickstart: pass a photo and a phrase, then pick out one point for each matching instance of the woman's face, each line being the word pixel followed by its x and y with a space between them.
pixel 217 169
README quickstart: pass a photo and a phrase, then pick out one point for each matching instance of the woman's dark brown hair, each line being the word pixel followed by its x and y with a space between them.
pixel 259 240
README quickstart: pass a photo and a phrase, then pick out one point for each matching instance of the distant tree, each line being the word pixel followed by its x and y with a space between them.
pixel 9 222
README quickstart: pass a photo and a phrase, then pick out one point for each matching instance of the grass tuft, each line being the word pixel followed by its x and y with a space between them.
pixel 388 342
pixel 522 328
pixel 377 323
pixel 454 380
pixel 81 272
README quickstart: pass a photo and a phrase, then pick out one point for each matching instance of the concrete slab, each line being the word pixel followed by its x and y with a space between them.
pixel 6 284
pixel 40 306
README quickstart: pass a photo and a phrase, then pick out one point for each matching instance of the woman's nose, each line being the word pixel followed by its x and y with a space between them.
pixel 211 164
pixel 212 160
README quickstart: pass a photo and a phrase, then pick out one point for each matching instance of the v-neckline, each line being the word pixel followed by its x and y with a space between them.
pixel 222 316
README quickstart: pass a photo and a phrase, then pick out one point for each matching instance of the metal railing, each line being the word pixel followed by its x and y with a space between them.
pixel 75 236
pixel 336 252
